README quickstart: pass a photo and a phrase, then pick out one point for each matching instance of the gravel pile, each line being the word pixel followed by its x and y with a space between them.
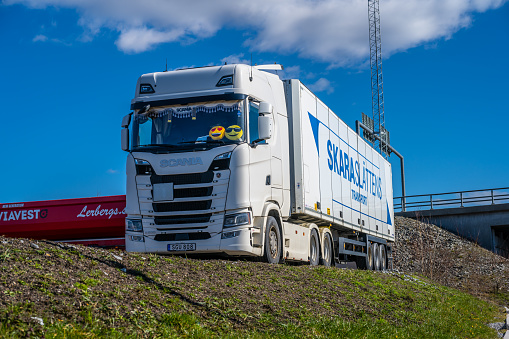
pixel 447 258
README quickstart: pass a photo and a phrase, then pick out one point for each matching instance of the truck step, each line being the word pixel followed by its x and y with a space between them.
pixel 346 264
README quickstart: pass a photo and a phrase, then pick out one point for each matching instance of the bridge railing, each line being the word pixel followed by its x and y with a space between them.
pixel 491 196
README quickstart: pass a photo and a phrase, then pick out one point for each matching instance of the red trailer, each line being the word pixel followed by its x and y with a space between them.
pixel 89 221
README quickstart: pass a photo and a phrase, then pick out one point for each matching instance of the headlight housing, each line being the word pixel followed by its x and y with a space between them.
pixel 237 219
pixel 134 225
pixel 221 162
pixel 143 167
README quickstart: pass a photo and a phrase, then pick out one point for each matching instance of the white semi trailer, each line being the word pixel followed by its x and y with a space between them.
pixel 231 159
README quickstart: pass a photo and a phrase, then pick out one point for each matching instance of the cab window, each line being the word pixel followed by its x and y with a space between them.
pixel 253 122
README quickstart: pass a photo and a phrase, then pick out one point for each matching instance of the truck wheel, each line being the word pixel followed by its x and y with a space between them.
pixel 369 257
pixel 314 249
pixel 383 258
pixel 376 257
pixel 272 242
pixel 327 251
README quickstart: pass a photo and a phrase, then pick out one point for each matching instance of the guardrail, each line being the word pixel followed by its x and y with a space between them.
pixel 491 196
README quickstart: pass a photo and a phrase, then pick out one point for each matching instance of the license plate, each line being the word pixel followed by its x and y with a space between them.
pixel 181 247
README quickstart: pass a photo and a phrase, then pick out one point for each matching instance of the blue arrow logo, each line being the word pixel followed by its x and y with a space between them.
pixel 315 123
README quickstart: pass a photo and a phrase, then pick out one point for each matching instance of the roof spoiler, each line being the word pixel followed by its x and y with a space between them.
pixel 274 67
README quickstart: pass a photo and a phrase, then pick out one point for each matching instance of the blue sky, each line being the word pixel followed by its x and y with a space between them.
pixel 69 68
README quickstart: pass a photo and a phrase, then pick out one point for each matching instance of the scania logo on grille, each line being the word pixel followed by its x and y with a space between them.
pixel 181 162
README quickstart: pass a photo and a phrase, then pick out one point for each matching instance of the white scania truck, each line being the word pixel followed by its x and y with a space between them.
pixel 232 159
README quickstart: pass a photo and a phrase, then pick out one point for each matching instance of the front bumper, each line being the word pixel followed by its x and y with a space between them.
pixel 241 244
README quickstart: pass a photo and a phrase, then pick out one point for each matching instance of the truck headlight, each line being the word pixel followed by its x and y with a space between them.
pixel 137 238
pixel 143 167
pixel 237 219
pixel 228 235
pixel 134 225
pixel 221 162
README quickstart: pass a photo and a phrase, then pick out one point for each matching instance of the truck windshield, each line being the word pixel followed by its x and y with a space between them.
pixel 179 126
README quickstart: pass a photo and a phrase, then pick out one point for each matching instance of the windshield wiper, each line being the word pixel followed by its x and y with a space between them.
pixel 159 145
pixel 203 142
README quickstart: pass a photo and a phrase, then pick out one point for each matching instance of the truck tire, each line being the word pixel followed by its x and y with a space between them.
pixel 383 258
pixel 272 252
pixel 369 257
pixel 327 251
pixel 314 248
pixel 376 257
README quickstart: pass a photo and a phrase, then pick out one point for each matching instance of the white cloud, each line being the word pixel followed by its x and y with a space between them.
pixel 236 59
pixel 333 31
pixel 40 37
pixel 321 85
pixel 291 72
pixel 111 171
pixel 44 38
pixel 136 40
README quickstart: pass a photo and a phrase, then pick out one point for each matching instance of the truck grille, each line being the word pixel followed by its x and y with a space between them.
pixel 182 206
pixel 192 192
pixel 183 219
pixel 182 236
pixel 183 179
pixel 198 204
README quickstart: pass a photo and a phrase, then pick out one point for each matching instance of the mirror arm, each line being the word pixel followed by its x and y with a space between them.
pixel 256 142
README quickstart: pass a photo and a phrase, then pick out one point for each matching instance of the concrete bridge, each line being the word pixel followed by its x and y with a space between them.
pixel 481 216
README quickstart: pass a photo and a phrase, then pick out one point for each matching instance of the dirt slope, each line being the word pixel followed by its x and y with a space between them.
pixel 450 260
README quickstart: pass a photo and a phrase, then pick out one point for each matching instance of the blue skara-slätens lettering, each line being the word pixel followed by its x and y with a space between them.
pixel 342 164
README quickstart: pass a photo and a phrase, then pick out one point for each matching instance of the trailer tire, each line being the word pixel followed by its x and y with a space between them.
pixel 314 248
pixel 272 251
pixel 369 257
pixel 383 258
pixel 376 257
pixel 327 250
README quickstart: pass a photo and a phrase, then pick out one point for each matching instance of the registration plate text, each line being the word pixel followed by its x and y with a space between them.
pixel 181 247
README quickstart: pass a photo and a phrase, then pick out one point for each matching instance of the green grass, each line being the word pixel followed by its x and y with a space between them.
pixel 81 293
pixel 430 312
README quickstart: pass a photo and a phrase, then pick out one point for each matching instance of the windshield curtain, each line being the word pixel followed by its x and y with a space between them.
pixel 193 124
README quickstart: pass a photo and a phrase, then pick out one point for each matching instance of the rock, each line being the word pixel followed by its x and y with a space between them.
pixel 497 326
pixel 38 320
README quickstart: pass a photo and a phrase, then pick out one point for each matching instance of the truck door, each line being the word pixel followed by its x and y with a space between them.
pixel 260 164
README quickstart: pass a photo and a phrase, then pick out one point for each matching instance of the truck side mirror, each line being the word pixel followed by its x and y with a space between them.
pixel 265 121
pixel 126 120
pixel 124 133
pixel 125 139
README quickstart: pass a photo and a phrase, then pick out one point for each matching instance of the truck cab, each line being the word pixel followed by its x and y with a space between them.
pixel 208 158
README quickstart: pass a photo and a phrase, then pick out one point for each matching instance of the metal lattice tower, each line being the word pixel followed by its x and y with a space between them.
pixel 377 93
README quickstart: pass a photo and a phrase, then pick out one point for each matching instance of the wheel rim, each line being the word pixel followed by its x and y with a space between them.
pixel 326 250
pixel 383 258
pixel 273 242
pixel 376 257
pixel 370 257
pixel 314 249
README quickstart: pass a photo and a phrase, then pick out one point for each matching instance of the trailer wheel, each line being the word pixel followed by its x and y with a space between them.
pixel 327 251
pixel 369 257
pixel 376 257
pixel 272 242
pixel 383 258
pixel 314 249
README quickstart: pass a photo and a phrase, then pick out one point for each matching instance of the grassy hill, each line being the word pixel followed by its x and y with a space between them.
pixel 52 290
